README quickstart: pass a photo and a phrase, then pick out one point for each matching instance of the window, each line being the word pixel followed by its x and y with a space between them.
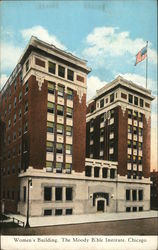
pixel 60 91
pixel 69 94
pixel 9 109
pixel 88 171
pixel 134 195
pixel 102 118
pixel 69 149
pixel 14 118
pixel 140 160
pixel 15 102
pixel 135 130
pixel 129 144
pixel 13 169
pixel 130 129
pixel 61 71
pixel 47 212
pixel 140 195
pixel 19 113
pixel 20 132
pixel 51 87
pixel 60 129
pixel 140 117
pixel 69 112
pixel 59 148
pixel 80 78
pixel 24 193
pixel 130 98
pixel 68 131
pixel 130 114
pixel 59 167
pixel 9 123
pixel 60 110
pixel 25 126
pixel 49 166
pixel 68 211
pixel 135 114
pixel 68 167
pixel 136 100
pixel 111 97
pixel 147 105
pixel 134 159
pixel 15 83
pixel 91 123
pixel 14 136
pixel 101 132
pixel 26 107
pixel 140 146
pixel 128 209
pixel 39 62
pixel 58 194
pixel 8 170
pixel 47 193
pixel 105 172
pixel 50 107
pixel 124 96
pixel 27 65
pixel 140 208
pixel 19 151
pixel 112 173
pixel 9 139
pixel 70 75
pixel 49 146
pixel 58 211
pixel 141 103
pixel 135 145
pixel 134 209
pixel 96 171
pixel 26 87
pixel 101 103
pixel 129 174
pixel 69 194
pixel 127 195
pixel 14 152
pixel 129 159
pixel 51 67
pixel 20 76
pixel 50 127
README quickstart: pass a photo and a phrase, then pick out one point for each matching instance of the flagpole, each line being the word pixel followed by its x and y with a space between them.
pixel 147 65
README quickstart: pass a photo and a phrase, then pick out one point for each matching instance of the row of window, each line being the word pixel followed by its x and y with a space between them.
pixel 59 128
pixel 59 148
pixel 9 170
pixel 60 89
pixel 134 174
pixel 59 166
pixel 58 211
pixel 58 193
pixel 60 110
pixel 134 195
pixel 11 195
pixel 135 159
pixel 15 100
pixel 135 130
pixel 134 209
pixel 135 144
pixel 88 172
pixel 135 115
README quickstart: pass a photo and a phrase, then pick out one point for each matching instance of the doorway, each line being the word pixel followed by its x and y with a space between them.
pixel 100 206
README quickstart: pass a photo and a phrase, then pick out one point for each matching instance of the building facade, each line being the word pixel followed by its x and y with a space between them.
pixel 118 127
pixel 45 158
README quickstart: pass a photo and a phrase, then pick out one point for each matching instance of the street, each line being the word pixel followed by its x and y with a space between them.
pixel 125 227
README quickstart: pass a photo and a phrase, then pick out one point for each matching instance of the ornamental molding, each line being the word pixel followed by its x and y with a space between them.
pixel 123 108
pixel 40 80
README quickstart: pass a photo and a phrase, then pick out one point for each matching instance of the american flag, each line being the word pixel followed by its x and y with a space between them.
pixel 141 55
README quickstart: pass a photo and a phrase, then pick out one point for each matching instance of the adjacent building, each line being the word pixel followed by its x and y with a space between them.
pixel 154 190
pixel 50 158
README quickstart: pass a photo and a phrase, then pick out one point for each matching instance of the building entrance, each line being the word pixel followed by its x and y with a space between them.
pixel 100 206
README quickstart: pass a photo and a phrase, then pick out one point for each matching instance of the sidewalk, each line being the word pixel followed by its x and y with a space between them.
pixel 86 218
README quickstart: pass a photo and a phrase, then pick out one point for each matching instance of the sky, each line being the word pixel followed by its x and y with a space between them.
pixel 108 34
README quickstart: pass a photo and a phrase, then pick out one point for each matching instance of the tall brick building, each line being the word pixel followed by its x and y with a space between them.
pixel 118 127
pixel 43 139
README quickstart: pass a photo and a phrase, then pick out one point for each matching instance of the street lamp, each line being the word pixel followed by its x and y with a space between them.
pixel 28 194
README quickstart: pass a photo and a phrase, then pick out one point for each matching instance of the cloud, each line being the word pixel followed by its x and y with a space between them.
pixel 42 34
pixel 3 79
pixel 93 84
pixel 10 55
pixel 105 42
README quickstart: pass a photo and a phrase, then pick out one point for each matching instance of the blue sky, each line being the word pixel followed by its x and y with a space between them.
pixel 108 34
